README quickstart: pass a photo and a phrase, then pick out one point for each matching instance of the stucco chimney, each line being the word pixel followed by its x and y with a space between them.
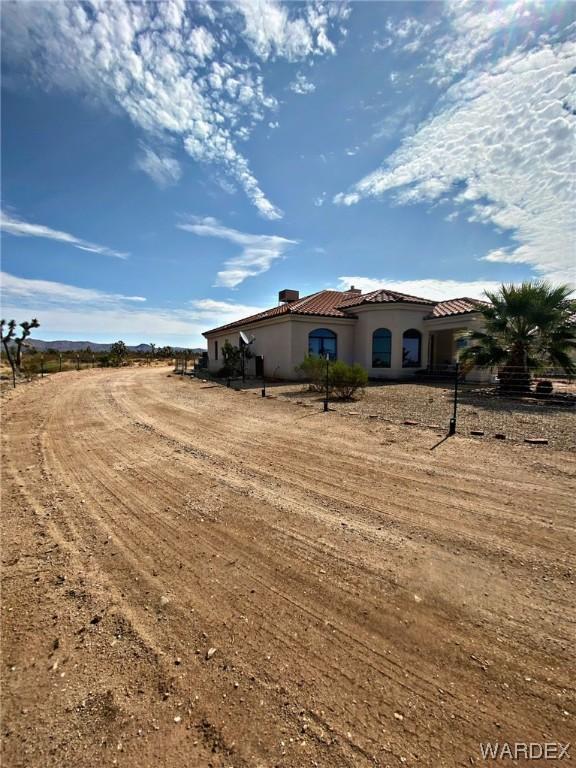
pixel 353 291
pixel 288 295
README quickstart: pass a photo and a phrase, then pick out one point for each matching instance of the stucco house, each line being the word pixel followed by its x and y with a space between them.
pixel 391 334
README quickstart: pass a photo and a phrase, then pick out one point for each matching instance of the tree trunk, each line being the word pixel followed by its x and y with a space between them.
pixel 515 377
pixel 11 361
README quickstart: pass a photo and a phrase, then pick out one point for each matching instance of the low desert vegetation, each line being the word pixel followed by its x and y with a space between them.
pixel 343 381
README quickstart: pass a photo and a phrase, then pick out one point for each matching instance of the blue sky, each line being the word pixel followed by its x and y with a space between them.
pixel 168 167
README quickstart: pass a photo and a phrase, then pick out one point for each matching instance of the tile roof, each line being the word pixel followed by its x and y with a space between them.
pixel 337 304
pixel 457 307
pixel 323 303
pixel 382 296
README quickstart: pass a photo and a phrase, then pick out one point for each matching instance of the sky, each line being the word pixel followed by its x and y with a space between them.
pixel 169 167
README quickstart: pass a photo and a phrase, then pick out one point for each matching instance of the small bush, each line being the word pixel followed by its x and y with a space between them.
pixel 344 380
pixel 347 379
pixel 313 368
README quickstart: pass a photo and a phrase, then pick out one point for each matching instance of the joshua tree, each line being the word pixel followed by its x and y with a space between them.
pixel 118 352
pixel 19 340
pixel 526 327
pixel 8 331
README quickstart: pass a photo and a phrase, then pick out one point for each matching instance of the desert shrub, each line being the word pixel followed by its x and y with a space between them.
pixel 313 369
pixel 231 357
pixel 346 379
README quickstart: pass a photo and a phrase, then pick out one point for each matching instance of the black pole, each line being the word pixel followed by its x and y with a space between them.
pixel 452 429
pixel 263 379
pixel 243 365
pixel 42 365
pixel 60 363
pixel 327 382
pixel 77 362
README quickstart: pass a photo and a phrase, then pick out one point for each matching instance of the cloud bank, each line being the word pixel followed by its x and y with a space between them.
pixel 190 71
pixel 501 142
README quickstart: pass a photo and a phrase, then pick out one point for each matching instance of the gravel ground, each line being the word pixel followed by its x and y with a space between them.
pixel 431 405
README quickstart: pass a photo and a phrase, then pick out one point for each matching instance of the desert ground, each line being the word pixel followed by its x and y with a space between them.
pixel 194 576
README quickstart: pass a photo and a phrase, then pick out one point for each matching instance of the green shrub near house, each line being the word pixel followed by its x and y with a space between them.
pixel 344 380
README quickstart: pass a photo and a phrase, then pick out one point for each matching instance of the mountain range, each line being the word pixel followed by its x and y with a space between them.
pixel 75 346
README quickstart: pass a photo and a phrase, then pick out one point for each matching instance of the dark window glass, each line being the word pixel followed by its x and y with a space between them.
pixel 322 342
pixel 411 348
pixel 381 348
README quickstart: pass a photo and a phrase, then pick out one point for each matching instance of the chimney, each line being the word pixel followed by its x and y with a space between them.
pixel 287 296
pixel 353 291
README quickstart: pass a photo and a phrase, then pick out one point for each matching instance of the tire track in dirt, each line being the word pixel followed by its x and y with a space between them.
pixel 243 530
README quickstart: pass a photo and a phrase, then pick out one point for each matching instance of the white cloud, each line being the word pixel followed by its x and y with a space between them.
pixel 222 312
pixel 427 288
pixel 72 312
pixel 258 251
pixel 501 145
pixel 15 226
pixel 301 85
pixel 162 168
pixel 18 288
pixel 186 70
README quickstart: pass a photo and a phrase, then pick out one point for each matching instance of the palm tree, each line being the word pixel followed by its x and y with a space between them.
pixel 526 327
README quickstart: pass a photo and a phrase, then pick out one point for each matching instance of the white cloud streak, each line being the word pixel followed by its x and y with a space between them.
pixel 17 288
pixel 177 69
pixel 161 168
pixel 427 288
pixel 16 226
pixel 258 251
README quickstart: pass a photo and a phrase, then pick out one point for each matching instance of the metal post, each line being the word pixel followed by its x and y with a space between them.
pixel 263 379
pixel 42 366
pixel 327 382
pixel 92 359
pixel 77 362
pixel 243 365
pixel 59 362
pixel 452 428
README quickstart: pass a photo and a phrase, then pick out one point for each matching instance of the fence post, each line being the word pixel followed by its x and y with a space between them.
pixel 263 379
pixel 452 428
pixel 77 362
pixel 59 362
pixel 42 366
pixel 327 382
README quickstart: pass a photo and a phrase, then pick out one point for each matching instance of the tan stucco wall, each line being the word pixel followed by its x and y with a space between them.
pixel 397 319
pixel 283 341
pixel 272 341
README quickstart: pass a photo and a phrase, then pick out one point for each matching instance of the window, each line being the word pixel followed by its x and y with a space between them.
pixel 322 342
pixel 411 348
pixel 215 350
pixel 381 348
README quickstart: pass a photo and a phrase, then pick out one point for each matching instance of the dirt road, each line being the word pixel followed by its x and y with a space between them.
pixel 371 602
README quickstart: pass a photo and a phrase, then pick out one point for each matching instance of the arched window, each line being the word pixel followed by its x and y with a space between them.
pixel 411 348
pixel 381 348
pixel 322 342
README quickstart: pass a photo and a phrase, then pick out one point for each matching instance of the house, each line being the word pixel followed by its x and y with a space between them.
pixel 391 334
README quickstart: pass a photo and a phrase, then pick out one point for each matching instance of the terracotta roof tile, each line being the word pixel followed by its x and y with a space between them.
pixel 457 307
pixel 383 296
pixel 337 304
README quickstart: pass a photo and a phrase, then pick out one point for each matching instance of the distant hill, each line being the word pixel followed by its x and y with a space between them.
pixel 74 346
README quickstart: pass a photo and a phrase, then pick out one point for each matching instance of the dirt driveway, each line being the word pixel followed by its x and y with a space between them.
pixel 199 577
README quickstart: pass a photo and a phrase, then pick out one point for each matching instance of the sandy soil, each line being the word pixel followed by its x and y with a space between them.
pixel 371 602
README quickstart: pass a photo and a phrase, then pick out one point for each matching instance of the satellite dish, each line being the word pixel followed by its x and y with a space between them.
pixel 244 338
